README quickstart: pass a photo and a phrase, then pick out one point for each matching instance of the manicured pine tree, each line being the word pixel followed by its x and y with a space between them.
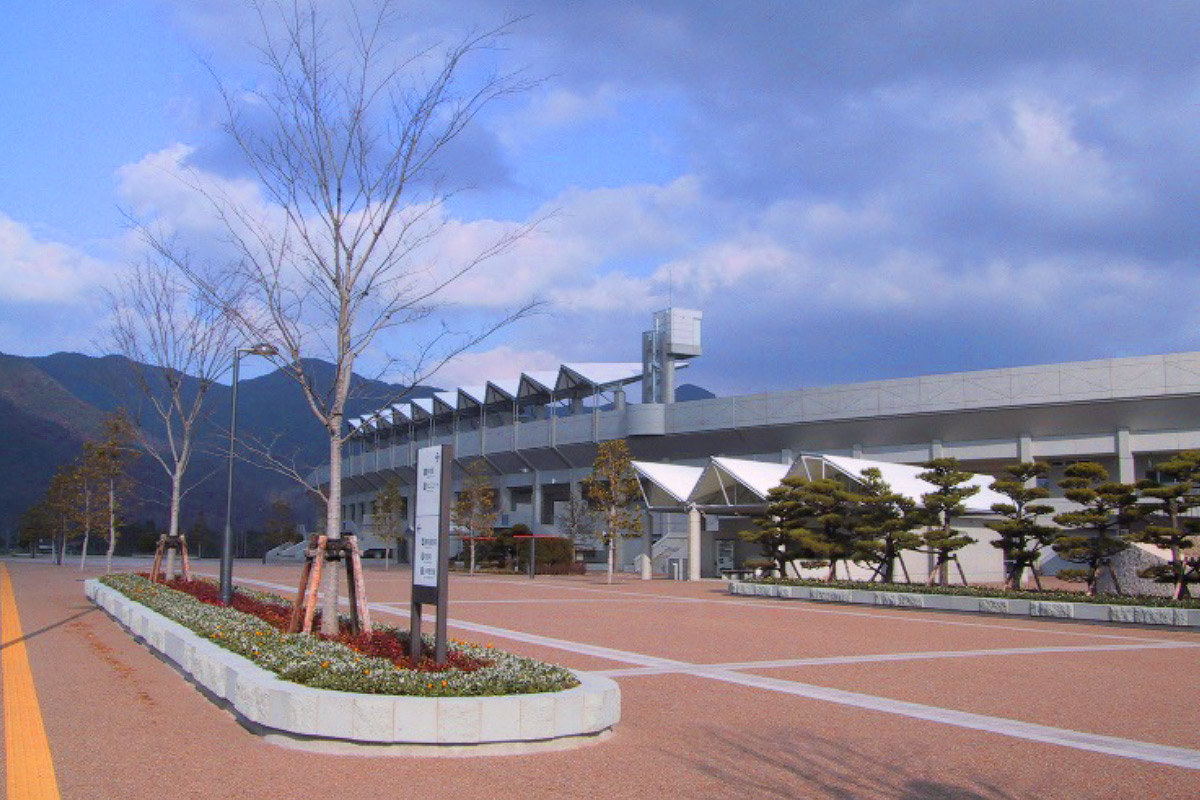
pixel 615 491
pixel 941 506
pixel 1094 532
pixel 780 531
pixel 1170 527
pixel 825 521
pixel 885 527
pixel 1022 537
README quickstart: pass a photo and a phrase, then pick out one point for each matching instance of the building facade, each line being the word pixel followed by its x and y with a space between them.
pixel 538 434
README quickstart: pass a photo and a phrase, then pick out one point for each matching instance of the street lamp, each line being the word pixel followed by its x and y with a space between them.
pixel 227 539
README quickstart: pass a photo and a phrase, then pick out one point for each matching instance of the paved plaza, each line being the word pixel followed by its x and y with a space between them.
pixel 722 697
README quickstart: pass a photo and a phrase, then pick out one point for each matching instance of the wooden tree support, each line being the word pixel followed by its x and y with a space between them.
pixel 165 544
pixel 322 549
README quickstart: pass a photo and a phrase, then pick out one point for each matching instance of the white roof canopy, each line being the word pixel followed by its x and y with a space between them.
pixel 676 480
pixel 902 478
pixel 742 484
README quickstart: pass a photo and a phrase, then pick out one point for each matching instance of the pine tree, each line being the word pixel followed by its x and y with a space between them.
pixel 474 511
pixel 885 528
pixel 776 530
pixel 1171 527
pixel 941 506
pixel 1094 535
pixel 614 489
pixel 1022 537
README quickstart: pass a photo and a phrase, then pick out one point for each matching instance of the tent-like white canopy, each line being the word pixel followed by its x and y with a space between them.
pixel 902 478
pixel 596 377
pixel 669 484
pixel 741 484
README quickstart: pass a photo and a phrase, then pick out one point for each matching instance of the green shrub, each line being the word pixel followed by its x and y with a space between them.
pixel 990 591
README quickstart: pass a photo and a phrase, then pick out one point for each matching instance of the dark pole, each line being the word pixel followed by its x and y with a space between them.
pixel 227 540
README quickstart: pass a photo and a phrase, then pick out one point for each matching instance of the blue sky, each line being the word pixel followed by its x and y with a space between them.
pixel 849 191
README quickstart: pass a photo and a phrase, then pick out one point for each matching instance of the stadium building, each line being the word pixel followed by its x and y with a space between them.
pixel 707 464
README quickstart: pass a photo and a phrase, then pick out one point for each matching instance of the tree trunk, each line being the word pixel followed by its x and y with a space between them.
pixel 472 554
pixel 333 529
pixel 612 556
pixel 112 528
pixel 83 551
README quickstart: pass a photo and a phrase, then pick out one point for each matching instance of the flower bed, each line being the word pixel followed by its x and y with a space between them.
pixel 474 670
pixel 1052 596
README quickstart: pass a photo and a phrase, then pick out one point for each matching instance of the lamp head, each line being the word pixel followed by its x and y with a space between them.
pixel 263 349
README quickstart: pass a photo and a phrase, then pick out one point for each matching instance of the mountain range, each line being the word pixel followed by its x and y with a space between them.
pixel 50 405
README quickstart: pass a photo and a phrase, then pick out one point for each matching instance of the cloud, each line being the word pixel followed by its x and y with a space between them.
pixel 37 271
pixel 498 363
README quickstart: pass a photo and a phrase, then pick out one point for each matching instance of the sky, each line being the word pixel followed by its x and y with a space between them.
pixel 848 191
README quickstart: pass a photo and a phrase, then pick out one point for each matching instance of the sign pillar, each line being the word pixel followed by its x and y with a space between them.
pixel 431 545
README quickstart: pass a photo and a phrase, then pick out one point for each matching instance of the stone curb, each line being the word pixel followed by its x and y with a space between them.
pixel 1092 612
pixel 273 706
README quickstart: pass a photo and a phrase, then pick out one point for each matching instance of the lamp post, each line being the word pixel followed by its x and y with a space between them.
pixel 227 539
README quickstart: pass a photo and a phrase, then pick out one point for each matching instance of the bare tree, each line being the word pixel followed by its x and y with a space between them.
pixel 344 144
pixel 179 343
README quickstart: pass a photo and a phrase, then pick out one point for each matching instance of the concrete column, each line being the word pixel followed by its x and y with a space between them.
pixel 619 399
pixel 856 451
pixel 935 449
pixel 648 547
pixel 695 525
pixel 535 525
pixel 1126 472
pixel 1025 447
pixel 576 405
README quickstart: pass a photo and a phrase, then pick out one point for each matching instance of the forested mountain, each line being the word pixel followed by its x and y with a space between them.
pixel 50 405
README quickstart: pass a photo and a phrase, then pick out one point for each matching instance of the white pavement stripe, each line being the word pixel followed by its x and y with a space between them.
pixel 1045 626
pixel 1065 737
pixel 560 601
pixel 519 636
pixel 1111 745
pixel 887 657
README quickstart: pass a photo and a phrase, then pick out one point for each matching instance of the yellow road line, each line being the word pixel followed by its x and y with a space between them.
pixel 26 749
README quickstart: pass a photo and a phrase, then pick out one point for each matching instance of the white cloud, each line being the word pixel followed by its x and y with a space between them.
pixel 32 270
pixel 1039 161
pixel 476 367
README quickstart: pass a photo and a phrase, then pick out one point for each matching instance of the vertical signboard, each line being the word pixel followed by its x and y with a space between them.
pixel 431 544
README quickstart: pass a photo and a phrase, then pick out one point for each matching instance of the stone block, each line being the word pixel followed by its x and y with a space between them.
pixel 1039 608
pixel 500 717
pixel 831 595
pixel 335 715
pixel 374 719
pixel 1093 612
pixel 415 720
pixel 568 713
pixel 993 605
pixel 593 712
pixel 293 709
pixel 612 703
pixel 459 719
pixel 252 698
pixel 537 716
pixel 900 599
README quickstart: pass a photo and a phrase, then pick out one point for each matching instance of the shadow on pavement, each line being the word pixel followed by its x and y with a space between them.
pixel 49 627
pixel 803 765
